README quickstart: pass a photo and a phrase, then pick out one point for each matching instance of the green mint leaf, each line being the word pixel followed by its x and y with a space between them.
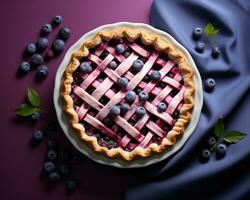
pixel 219 127
pixel 233 136
pixel 33 97
pixel 25 110
pixel 210 31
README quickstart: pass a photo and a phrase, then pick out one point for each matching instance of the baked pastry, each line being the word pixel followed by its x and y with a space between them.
pixel 128 92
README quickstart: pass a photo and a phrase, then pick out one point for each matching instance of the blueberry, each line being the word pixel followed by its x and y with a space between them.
pixel 113 65
pixel 37 136
pixel 199 47
pixel 49 167
pixel 211 141
pixel 122 82
pixel 140 111
pixel 85 67
pixel 52 144
pixel 51 155
pixel 37 59
pixel 57 20
pixel 64 33
pixel 161 107
pixel 42 71
pixel 130 96
pixel 146 78
pixel 58 45
pixel 115 110
pixel 42 43
pixel 46 29
pixel 35 116
pixel 209 84
pixel 120 48
pixel 137 65
pixel 71 185
pixel 205 155
pixel 215 52
pixel 64 170
pixel 155 75
pixel 54 176
pixel 24 67
pixel 107 121
pixel 126 54
pixel 197 33
pixel 221 150
pixel 143 96
pixel 124 108
pixel 31 48
pixel 64 155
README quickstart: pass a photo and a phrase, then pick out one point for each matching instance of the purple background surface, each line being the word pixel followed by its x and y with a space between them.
pixel 21 165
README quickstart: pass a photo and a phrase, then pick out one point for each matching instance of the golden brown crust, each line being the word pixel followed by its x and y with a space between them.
pixel 161 44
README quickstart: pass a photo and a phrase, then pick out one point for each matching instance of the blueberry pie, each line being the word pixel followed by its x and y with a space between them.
pixel 128 93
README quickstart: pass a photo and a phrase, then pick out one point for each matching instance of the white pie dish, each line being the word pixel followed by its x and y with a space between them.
pixel 138 162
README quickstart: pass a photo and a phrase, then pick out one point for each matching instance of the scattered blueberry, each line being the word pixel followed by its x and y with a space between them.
pixel 46 29
pixel 24 67
pixel 130 96
pixel 51 155
pixel 120 48
pixel 199 47
pixel 161 107
pixel 42 43
pixel 211 141
pixel 113 65
pixel 209 84
pixel 137 65
pixel 205 155
pixel 146 78
pixel 49 167
pixel 64 33
pixel 111 144
pixel 124 108
pixel 35 116
pixel 49 54
pixel 85 67
pixel 71 185
pixel 143 96
pixel 107 121
pixel 58 45
pixel 221 150
pixel 215 52
pixel 37 59
pixel 37 136
pixel 64 170
pixel 57 20
pixel 31 48
pixel 138 90
pixel 64 155
pixel 140 111
pixel 126 54
pixel 155 75
pixel 122 82
pixel 197 33
pixel 52 144
pixel 42 71
pixel 115 110
pixel 54 176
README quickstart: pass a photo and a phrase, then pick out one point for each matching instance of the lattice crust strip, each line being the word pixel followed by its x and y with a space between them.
pixel 176 75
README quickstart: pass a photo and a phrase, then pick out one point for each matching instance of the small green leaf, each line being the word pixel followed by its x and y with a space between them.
pixel 233 136
pixel 210 31
pixel 25 110
pixel 219 127
pixel 33 97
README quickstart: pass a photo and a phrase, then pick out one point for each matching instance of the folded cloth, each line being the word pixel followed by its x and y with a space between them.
pixel 182 176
